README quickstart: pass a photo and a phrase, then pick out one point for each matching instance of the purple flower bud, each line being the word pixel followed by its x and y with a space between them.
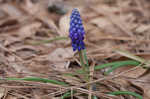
pixel 76 31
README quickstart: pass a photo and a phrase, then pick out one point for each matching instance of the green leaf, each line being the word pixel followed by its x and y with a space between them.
pixel 50 41
pixel 121 64
pixel 118 63
pixel 130 55
pixel 67 94
pixel 126 93
pixel 37 79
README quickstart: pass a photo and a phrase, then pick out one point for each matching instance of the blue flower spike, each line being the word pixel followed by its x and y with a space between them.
pixel 76 31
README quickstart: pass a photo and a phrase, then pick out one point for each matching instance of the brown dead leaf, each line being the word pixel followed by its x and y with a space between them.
pixel 101 22
pixel 72 80
pixel 135 73
pixel 37 94
pixel 64 25
pixel 48 20
pixel 25 52
pixel 29 29
pixel 110 14
pixel 11 97
pixel 11 41
pixel 145 56
pixel 105 25
pixel 30 7
pixel 3 14
pixel 9 24
pixel 60 53
pixel 122 81
pixel 2 92
pixel 57 57
pixel 40 65
pixel 142 28
pixel 12 10
pixel 18 66
pixel 132 74
pixel 143 83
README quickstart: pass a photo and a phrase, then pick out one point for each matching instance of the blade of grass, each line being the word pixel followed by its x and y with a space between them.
pixel 112 64
pixel 80 71
pixel 94 97
pixel 50 41
pixel 122 63
pixel 130 55
pixel 37 79
pixel 69 74
pixel 126 93
pixel 67 94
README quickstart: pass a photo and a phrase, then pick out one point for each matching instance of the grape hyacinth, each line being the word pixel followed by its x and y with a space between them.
pixel 76 31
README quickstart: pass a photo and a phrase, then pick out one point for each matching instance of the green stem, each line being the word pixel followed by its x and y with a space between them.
pixel 85 57
pixel 81 59
pixel 84 67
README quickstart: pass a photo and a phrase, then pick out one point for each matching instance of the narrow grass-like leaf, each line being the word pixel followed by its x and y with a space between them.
pixel 37 79
pixel 94 97
pixel 50 41
pixel 126 93
pixel 69 74
pixel 120 63
pixel 67 94
pixel 130 55
pixel 80 71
